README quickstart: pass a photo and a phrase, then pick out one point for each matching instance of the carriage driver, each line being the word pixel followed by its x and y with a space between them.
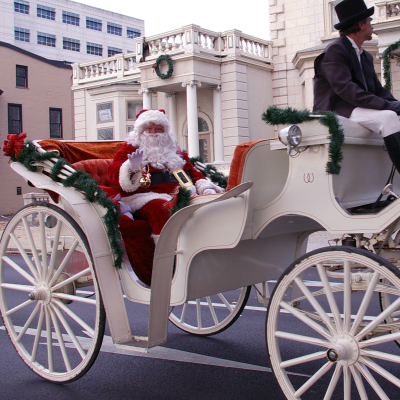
pixel 149 166
pixel 346 82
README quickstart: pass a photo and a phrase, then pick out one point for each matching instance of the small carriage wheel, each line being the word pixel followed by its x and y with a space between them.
pixel 212 314
pixel 385 300
pixel 331 331
pixel 51 306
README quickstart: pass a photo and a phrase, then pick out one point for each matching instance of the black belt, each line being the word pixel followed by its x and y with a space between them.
pixel 162 177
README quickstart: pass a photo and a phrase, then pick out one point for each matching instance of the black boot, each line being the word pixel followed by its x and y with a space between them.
pixel 392 143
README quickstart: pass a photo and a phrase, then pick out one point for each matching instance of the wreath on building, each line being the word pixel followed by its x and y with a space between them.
pixel 160 59
pixel 386 64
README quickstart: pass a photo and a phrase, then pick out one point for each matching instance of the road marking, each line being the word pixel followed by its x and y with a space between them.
pixel 160 353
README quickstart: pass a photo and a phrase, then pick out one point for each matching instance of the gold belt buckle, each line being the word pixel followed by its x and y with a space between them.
pixel 182 177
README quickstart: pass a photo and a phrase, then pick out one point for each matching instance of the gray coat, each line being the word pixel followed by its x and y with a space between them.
pixel 339 84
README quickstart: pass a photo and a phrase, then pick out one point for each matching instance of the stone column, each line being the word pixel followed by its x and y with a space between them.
pixel 173 120
pixel 218 135
pixel 192 118
pixel 146 98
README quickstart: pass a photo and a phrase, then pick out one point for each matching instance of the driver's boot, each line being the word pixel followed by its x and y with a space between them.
pixel 392 143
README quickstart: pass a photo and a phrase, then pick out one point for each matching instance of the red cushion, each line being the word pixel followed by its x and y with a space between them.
pixel 96 168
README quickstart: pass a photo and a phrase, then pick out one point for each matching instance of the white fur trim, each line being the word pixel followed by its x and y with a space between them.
pixel 192 190
pixel 128 184
pixel 203 184
pixel 137 201
pixel 155 238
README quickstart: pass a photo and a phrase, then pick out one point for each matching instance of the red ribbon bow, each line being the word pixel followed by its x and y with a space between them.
pixel 14 145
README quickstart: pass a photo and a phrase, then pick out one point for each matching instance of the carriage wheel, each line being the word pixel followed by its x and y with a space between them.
pixel 386 299
pixel 212 314
pixel 333 329
pixel 49 298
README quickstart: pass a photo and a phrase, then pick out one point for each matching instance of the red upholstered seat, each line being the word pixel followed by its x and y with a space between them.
pixel 237 164
pixel 96 168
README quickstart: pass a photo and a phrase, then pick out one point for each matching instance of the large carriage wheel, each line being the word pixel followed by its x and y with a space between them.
pixel 333 329
pixel 49 298
pixel 212 314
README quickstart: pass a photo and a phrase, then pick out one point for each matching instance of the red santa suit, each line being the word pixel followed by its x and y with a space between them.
pixel 148 202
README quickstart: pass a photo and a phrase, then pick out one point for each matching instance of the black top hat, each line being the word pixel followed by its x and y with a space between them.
pixel 350 11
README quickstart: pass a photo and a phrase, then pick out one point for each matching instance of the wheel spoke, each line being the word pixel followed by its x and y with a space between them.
pixel 223 299
pixel 372 381
pixel 321 372
pixel 317 307
pixel 381 371
pixel 303 339
pixel 333 382
pixel 359 383
pixel 183 315
pixel 212 311
pixel 346 383
pixel 54 250
pixel 198 310
pixel 77 319
pixel 383 315
pixel 380 340
pixel 380 355
pixel 43 243
pixel 69 331
pixel 33 247
pixel 74 298
pixel 303 359
pixel 24 256
pixel 17 268
pixel 365 302
pixel 38 333
pixel 49 340
pixel 64 262
pixel 308 321
pixel 347 297
pixel 20 307
pixel 20 288
pixel 28 322
pixel 329 295
pixel 60 340
pixel 71 279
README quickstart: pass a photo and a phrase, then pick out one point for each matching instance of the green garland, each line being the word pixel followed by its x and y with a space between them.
pixel 84 183
pixel 386 64
pixel 210 171
pixel 277 116
pixel 183 200
pixel 168 59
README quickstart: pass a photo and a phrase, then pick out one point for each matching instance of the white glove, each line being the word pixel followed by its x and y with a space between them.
pixel 135 159
pixel 209 191
pixel 192 190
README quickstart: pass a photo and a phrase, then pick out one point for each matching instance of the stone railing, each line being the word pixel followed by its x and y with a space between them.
pixel 116 66
pixel 388 9
pixel 188 40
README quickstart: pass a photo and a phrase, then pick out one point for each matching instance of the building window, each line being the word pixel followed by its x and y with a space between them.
pixel 92 23
pixel 132 33
pixel 56 123
pixel 14 118
pixel 114 29
pixel 70 18
pixel 21 34
pixel 112 51
pixel 21 76
pixel 21 6
pixel 105 134
pixel 95 49
pixel 334 17
pixel 104 112
pixel 71 44
pixel 46 12
pixel 46 39
pixel 133 108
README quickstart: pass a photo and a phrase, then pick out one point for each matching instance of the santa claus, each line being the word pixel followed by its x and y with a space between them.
pixel 149 167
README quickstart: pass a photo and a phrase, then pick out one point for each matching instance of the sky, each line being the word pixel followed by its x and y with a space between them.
pixel 251 16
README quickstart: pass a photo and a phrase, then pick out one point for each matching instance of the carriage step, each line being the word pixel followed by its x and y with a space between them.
pixel 137 344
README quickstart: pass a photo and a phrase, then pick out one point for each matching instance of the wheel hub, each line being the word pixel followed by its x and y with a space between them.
pixel 344 350
pixel 43 293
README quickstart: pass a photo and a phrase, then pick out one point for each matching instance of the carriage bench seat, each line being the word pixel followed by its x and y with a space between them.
pixel 354 133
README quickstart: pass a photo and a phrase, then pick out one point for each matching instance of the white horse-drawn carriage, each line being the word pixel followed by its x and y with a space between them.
pixel 336 309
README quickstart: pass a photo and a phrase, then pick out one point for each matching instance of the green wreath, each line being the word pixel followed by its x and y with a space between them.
pixel 168 59
pixel 386 64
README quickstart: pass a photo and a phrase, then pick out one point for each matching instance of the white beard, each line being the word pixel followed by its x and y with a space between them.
pixel 159 150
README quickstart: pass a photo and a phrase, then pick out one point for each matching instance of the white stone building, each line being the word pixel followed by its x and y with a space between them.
pixel 220 86
pixel 65 30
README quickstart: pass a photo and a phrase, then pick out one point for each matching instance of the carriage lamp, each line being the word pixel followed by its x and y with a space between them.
pixel 290 136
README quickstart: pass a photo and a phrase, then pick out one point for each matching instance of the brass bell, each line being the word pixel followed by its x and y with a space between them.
pixel 145 182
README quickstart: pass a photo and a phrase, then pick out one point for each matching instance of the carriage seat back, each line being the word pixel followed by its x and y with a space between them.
pixel 95 168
